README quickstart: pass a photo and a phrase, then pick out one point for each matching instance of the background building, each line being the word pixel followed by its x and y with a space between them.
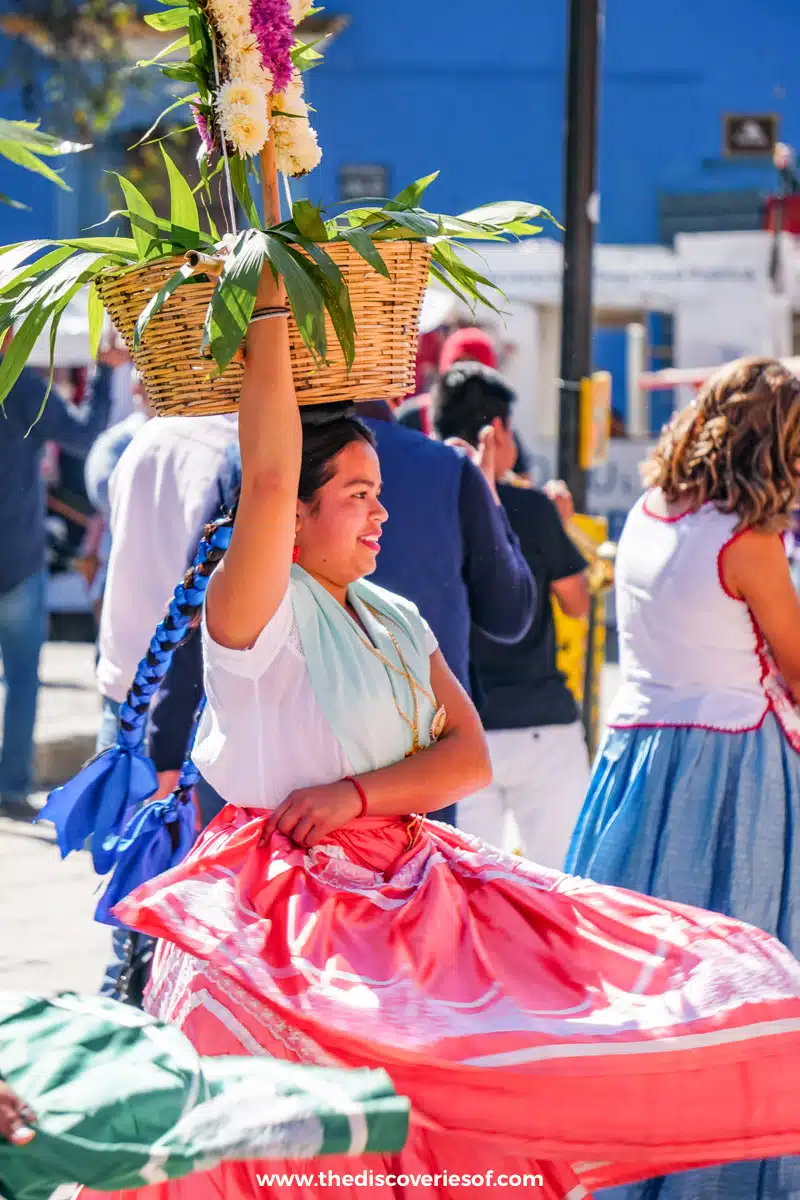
pixel 478 93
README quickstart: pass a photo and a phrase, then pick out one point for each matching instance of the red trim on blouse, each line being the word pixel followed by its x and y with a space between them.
pixel 666 520
pixel 759 649
pixel 693 725
pixel 720 575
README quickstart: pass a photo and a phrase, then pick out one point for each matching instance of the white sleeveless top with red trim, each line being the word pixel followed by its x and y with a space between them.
pixel 690 652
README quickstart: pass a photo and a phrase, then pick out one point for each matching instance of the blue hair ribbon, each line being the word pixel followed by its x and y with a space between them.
pixel 105 796
pixel 155 839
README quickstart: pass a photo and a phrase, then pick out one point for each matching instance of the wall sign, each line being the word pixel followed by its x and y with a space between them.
pixel 360 181
pixel 749 135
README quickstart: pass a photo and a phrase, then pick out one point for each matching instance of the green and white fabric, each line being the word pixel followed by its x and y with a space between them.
pixel 123 1100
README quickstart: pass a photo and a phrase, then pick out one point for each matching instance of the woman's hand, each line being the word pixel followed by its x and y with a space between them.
pixel 310 814
pixel 15 1118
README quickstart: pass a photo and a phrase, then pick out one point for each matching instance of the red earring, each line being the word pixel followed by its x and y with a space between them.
pixel 296 554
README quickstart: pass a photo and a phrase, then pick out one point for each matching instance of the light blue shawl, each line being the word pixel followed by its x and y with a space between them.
pixel 359 695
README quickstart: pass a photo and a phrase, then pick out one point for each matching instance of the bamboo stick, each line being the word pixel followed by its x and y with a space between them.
pixel 204 264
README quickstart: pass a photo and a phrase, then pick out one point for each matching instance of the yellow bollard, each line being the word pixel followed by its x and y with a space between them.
pixel 590 536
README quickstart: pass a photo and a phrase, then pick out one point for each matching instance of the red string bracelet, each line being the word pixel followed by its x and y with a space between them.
pixel 361 794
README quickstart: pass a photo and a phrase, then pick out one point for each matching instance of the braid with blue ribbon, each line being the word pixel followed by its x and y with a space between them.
pixel 157 837
pixel 102 802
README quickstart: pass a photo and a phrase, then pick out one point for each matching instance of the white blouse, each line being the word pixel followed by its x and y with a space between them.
pixel 690 653
pixel 263 733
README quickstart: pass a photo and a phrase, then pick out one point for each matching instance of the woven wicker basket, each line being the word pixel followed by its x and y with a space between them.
pixel 179 380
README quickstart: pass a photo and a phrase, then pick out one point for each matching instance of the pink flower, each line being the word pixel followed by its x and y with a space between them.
pixel 272 24
pixel 202 128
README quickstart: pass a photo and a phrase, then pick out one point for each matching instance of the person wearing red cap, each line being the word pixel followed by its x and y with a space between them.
pixel 470 344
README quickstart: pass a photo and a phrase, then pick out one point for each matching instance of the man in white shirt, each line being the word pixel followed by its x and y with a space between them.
pixel 164 489
pixel 172 479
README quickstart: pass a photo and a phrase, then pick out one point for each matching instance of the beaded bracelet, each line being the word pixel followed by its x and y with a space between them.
pixel 265 314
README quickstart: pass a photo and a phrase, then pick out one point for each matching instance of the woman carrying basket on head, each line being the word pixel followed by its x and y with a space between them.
pixel 540 1025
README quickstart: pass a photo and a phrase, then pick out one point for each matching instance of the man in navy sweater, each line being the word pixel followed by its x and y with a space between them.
pixel 447 545
pixel 539 758
pixel 23 574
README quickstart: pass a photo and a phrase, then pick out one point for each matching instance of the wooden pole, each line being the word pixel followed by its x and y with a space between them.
pixel 269 183
pixel 270 194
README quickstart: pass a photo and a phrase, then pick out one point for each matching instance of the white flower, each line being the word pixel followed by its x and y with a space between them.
pixel 296 147
pixel 247 132
pixel 301 9
pixel 245 64
pixel 240 93
pixel 242 110
pixel 238 44
pixel 230 11
pixel 291 102
pixel 232 19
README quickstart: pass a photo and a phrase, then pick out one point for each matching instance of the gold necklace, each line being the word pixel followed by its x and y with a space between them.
pixel 439 720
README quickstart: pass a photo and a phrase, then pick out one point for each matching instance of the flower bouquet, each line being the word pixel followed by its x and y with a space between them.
pixel 182 293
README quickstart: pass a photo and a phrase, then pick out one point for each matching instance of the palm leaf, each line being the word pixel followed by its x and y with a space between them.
pixel 183 211
pixel 19 351
pixel 14 256
pixel 120 247
pixel 179 103
pixel 329 279
pixel 411 196
pixel 55 320
pixel 181 43
pixel 141 216
pixel 504 214
pixel 53 284
pixel 305 290
pixel 234 297
pixel 26 158
pixel 176 18
pixel 11 280
pixel 96 319
pixel 363 244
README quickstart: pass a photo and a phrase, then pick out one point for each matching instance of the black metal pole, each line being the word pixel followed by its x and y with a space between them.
pixel 579 218
pixel 588 700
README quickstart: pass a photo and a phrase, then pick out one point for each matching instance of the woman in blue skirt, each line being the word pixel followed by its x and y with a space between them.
pixel 695 795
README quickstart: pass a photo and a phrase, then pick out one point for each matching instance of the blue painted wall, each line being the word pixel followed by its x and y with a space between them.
pixel 477 91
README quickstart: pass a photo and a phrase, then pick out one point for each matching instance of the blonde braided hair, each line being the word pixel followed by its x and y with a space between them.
pixel 737 446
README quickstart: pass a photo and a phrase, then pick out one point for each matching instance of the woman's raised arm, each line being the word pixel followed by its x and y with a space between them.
pixel 251 581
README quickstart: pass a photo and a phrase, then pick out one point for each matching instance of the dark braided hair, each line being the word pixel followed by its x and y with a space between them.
pixel 182 615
